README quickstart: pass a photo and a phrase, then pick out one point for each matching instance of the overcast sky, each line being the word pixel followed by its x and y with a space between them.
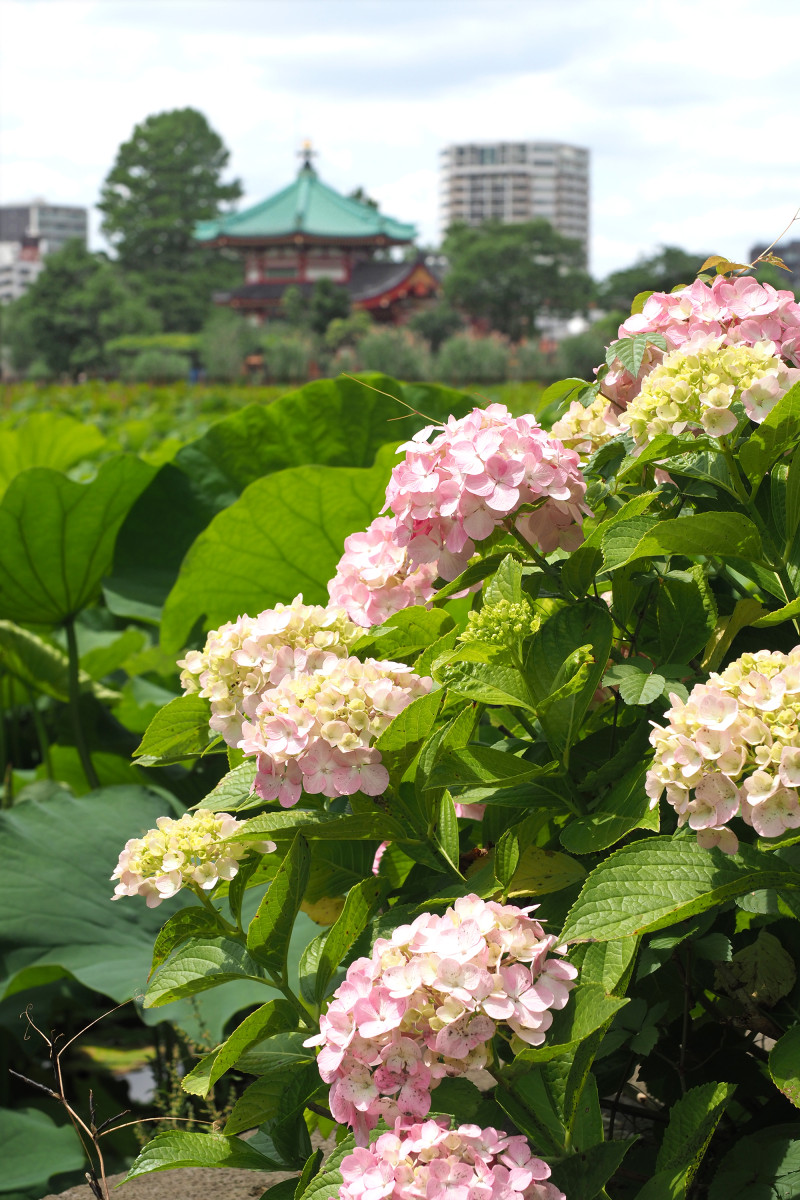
pixel 691 108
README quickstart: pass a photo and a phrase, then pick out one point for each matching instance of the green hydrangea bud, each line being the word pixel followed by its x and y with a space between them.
pixel 501 624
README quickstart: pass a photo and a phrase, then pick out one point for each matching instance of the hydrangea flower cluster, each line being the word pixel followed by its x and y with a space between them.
pixel 734 749
pixel 502 624
pixel 741 311
pixel 431 1161
pixel 475 474
pixel 375 578
pixel 695 386
pixel 426 1004
pixel 190 851
pixel 313 730
pixel 585 430
pixel 243 658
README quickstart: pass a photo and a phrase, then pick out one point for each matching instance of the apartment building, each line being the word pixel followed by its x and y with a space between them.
pixel 53 224
pixel 517 181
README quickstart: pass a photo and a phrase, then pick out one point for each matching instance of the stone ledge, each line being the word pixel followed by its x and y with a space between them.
pixel 187 1183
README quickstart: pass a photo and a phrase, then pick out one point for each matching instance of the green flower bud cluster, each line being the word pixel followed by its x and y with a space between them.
pixel 502 624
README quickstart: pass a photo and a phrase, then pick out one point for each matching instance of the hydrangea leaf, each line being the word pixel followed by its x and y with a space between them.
pixel 657 882
pixel 177 1148
pixel 777 434
pixel 58 538
pixel 280 1094
pixel 712 533
pixel 284 535
pixel 276 1016
pixel 178 731
pixel 686 612
pixel 764 1164
pixel 270 930
pixel 406 633
pixel 358 908
pixel 692 1121
pixel 583 1175
pixel 625 807
pixel 784 1065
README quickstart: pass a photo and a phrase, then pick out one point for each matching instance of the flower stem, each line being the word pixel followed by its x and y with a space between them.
pixel 73 684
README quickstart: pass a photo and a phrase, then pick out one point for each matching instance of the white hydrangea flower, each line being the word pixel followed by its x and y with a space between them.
pixel 188 851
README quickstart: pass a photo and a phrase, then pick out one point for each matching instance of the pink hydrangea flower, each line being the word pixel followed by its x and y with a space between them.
pixel 242 658
pixel 741 311
pixel 426 1004
pixel 375 578
pixel 474 476
pixel 429 1160
pixel 733 749
pixel 190 851
pixel 313 730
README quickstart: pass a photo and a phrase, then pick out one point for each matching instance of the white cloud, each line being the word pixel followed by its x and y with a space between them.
pixel 691 118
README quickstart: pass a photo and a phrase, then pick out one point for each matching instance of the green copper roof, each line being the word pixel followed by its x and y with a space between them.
pixel 306 206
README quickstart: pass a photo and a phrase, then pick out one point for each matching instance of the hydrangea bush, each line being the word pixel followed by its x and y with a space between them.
pixel 556 671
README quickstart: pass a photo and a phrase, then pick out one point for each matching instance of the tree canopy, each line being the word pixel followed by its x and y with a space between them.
pixel 512 275
pixel 166 177
pixel 78 303
pixel 662 272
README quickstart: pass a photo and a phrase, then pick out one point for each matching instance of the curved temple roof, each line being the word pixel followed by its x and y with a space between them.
pixel 309 207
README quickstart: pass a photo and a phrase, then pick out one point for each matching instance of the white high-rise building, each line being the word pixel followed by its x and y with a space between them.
pixel 517 181
pixel 53 224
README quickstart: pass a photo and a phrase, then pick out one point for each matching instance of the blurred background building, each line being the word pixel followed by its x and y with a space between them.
pixel 517 181
pixel 28 233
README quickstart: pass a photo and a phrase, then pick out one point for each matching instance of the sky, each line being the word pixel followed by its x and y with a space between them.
pixel 691 110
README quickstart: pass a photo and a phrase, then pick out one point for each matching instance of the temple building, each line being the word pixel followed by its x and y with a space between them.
pixel 308 232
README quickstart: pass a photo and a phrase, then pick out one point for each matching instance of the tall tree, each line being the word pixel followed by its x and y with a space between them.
pixel 512 275
pixel 166 178
pixel 77 304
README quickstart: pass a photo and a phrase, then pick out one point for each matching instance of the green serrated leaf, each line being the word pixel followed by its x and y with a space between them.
pixel 640 688
pixel 270 930
pixel 186 923
pixel 234 790
pixel 199 964
pixel 624 808
pixel 657 882
pixel 277 1016
pixel 692 1121
pixel 784 1065
pixel 406 633
pixel 178 1149
pixel 358 908
pixel 708 534
pixel 178 731
pixel 480 766
pixel 583 1175
pixel 774 437
pixel 630 351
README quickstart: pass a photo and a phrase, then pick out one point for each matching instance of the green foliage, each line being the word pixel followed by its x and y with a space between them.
pixel 78 304
pixel 395 352
pixel 436 324
pixel 469 359
pixel 662 272
pixel 158 366
pixel 508 275
pixel 165 178
pixel 548 678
